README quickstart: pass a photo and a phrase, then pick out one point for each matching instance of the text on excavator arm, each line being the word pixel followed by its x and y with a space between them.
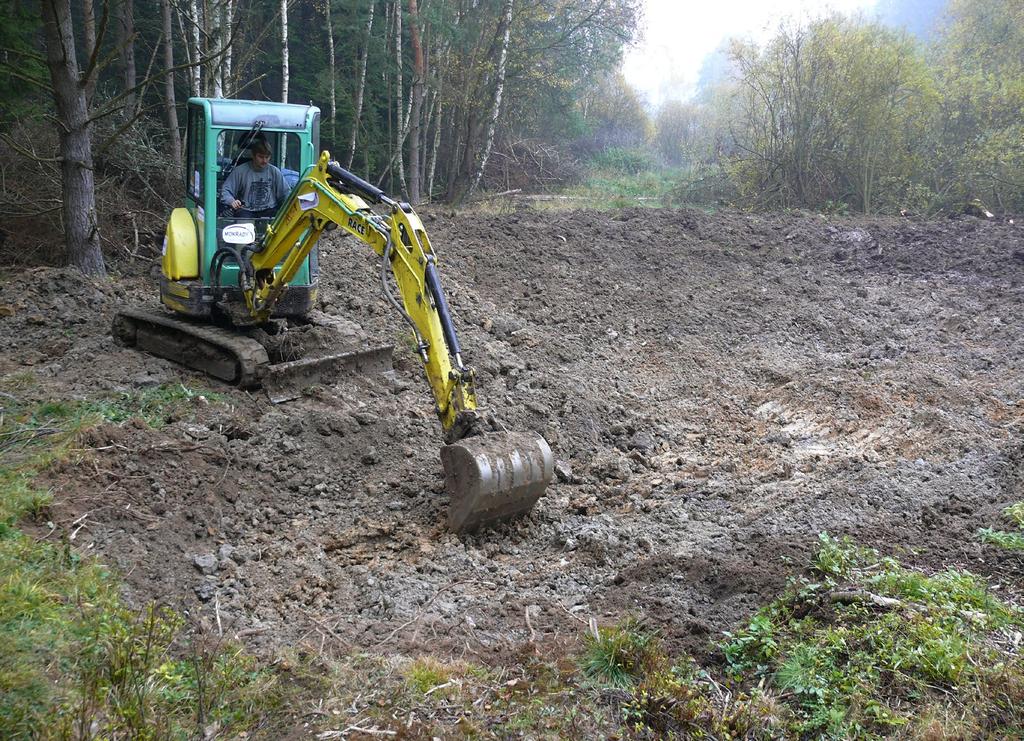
pixel 320 201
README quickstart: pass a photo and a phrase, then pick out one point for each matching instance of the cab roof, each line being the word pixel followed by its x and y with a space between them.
pixel 244 113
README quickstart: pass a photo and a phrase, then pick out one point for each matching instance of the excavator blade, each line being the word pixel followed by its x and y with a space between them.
pixel 286 381
pixel 495 477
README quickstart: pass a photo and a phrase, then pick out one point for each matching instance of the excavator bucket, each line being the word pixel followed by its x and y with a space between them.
pixel 495 477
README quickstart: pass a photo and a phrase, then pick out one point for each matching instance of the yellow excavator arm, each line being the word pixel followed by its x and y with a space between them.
pixel 328 196
pixel 491 475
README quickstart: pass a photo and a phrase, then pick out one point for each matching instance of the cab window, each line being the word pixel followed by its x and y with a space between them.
pixel 287 150
pixel 195 151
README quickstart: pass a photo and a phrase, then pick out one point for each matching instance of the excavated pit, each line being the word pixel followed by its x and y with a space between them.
pixel 717 390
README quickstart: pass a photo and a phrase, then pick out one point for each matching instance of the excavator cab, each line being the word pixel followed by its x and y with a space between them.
pixel 219 133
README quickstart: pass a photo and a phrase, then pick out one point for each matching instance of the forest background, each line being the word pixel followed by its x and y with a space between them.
pixel 916 109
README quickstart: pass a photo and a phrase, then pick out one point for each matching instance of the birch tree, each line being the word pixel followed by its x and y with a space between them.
pixel 229 33
pixel 214 34
pixel 284 51
pixel 356 116
pixel 330 66
pixel 402 127
pixel 499 86
pixel 416 112
pixel 195 48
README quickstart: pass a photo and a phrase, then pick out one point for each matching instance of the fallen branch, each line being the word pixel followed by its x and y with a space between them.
pixel 488 196
pixel 341 641
pixel 859 597
pixel 356 729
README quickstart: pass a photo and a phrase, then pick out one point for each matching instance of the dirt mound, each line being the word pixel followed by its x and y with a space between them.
pixel 718 389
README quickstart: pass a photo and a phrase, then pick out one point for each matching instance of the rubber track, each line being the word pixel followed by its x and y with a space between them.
pixel 250 357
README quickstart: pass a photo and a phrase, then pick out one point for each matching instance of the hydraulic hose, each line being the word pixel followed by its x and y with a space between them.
pixel 443 312
pixel 357 184
pixel 218 262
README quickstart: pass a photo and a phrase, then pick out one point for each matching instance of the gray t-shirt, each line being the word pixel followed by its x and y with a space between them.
pixel 256 190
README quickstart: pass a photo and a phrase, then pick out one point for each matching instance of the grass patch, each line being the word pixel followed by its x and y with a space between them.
pixel 77 663
pixel 1013 541
pixel 32 429
pixel 538 697
pixel 619 656
pixel 655 697
pixel 866 647
pixel 606 188
pixel 427 675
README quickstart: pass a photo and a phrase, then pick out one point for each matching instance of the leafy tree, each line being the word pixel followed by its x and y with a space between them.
pixel 829 111
pixel 614 116
pixel 677 128
pixel 980 133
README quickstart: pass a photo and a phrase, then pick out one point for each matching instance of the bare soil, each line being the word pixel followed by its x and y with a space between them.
pixel 719 389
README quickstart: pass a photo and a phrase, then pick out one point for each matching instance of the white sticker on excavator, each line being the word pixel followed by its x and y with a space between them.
pixel 239 233
pixel 309 200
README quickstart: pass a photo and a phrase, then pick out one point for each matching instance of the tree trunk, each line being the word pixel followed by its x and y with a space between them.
pixel 359 90
pixel 403 121
pixel 81 231
pixel 499 86
pixel 229 21
pixel 170 106
pixel 415 114
pixel 436 145
pixel 216 73
pixel 330 67
pixel 284 51
pixel 196 50
pixel 89 37
pixel 458 133
pixel 126 22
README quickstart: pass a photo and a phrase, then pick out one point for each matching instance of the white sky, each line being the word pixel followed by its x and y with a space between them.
pixel 678 34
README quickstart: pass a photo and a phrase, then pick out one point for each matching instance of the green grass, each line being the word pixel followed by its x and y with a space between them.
pixel 610 189
pixel 619 656
pixel 428 675
pixel 865 647
pixel 75 661
pixel 1013 541
pixel 30 427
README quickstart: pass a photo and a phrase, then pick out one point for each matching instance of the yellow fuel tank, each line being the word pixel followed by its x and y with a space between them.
pixel 181 246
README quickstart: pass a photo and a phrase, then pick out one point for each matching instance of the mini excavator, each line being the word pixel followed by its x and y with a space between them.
pixel 230 283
